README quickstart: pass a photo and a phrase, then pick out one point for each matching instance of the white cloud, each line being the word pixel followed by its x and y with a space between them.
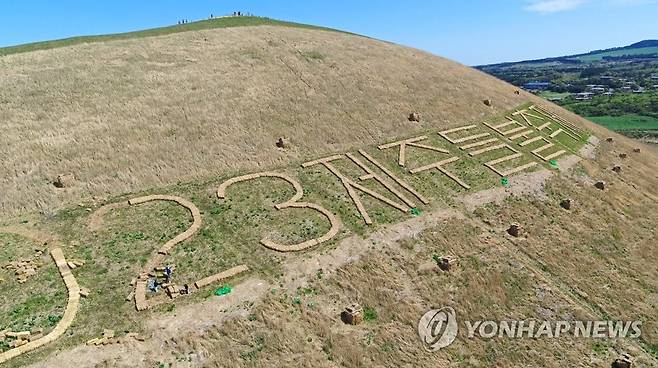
pixel 553 6
pixel 556 6
pixel 632 2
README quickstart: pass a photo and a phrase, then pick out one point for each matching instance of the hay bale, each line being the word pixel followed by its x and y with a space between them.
pixel 64 181
pixel 414 116
pixel 566 204
pixel 623 155
pixel 517 92
pixel 624 361
pixel 637 150
pixel 84 292
pixel 446 263
pixel 352 315
pixel 282 143
pixel 514 230
pixel 616 169
pixel 600 185
pixel 487 102
pixel 78 262
pixel 609 140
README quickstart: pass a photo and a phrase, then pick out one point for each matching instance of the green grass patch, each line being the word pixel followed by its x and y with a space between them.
pixel 626 122
pixel 369 314
pixel 624 52
pixel 312 55
pixel 550 95
pixel 39 303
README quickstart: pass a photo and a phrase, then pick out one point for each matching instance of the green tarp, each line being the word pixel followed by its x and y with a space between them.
pixel 223 290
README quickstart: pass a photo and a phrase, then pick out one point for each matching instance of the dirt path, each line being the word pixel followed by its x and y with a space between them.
pixel 96 221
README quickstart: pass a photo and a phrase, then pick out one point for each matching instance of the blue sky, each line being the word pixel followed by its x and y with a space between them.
pixel 472 32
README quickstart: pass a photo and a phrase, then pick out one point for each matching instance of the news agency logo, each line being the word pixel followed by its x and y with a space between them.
pixel 438 329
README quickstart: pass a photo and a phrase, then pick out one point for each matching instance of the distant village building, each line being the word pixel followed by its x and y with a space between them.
pixel 536 86
pixel 654 76
pixel 596 88
pixel 583 96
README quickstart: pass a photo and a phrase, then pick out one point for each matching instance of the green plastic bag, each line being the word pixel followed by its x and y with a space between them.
pixel 553 163
pixel 223 290
pixel 504 181
pixel 415 211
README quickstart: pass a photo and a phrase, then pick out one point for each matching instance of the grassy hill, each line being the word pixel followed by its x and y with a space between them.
pixel 643 51
pixel 222 22
pixel 180 113
pixel 642 48
pixel 122 115
pixel 646 48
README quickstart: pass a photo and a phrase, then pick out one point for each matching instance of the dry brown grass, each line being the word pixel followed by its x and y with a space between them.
pixel 492 281
pixel 133 114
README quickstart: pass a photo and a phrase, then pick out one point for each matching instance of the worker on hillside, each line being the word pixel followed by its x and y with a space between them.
pixel 185 290
pixel 168 274
pixel 153 285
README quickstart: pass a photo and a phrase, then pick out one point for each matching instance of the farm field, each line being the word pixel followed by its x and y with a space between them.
pixel 624 52
pixel 627 122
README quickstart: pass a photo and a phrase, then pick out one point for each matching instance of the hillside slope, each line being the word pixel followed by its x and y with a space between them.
pixel 130 114
pixel 160 127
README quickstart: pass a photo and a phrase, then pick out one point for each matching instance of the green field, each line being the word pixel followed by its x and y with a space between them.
pixel 553 95
pixel 623 52
pixel 626 122
pixel 224 22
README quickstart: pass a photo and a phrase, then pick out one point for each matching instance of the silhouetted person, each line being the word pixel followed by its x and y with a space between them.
pixel 168 273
